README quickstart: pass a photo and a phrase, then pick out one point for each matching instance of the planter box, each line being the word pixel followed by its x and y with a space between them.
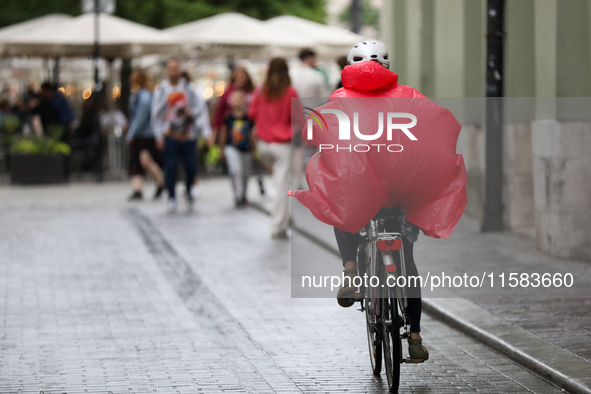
pixel 37 169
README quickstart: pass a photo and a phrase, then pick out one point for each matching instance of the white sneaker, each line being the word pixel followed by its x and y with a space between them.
pixel 270 192
pixel 171 205
pixel 195 192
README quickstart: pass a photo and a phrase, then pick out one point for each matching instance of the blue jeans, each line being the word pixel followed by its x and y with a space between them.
pixel 187 151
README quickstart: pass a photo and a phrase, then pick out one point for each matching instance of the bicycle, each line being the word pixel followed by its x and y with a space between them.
pixel 381 255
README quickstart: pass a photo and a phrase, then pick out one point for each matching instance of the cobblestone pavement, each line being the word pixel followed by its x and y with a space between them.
pixel 564 322
pixel 101 296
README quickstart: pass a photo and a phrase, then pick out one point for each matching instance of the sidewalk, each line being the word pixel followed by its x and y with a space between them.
pixel 99 295
pixel 530 330
pixel 83 307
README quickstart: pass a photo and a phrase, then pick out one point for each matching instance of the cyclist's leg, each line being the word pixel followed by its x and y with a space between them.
pixel 414 308
pixel 418 353
pixel 348 244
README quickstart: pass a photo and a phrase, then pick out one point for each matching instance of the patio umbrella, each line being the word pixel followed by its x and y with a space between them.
pixel 75 37
pixel 232 32
pixel 16 30
pixel 32 24
pixel 327 40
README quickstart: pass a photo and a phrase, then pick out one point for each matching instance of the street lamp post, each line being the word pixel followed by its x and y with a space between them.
pixel 97 47
pixel 356 16
pixel 98 159
pixel 493 206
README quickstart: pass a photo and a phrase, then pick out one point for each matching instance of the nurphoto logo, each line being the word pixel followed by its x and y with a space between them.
pixel 344 133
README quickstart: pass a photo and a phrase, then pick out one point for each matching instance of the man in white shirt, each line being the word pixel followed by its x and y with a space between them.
pixel 306 80
pixel 311 88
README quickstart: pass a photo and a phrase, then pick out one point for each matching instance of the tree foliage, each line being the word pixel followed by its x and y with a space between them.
pixel 166 13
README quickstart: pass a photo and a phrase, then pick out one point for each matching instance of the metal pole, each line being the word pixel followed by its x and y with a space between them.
pixel 98 87
pixel 56 71
pixel 356 15
pixel 493 206
pixel 97 48
pixel 47 69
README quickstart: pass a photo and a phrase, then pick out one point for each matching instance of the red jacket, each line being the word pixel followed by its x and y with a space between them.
pixel 422 174
pixel 272 118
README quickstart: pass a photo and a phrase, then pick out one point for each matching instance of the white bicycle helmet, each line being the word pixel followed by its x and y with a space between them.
pixel 369 51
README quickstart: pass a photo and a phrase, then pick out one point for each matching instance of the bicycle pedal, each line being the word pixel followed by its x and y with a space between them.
pixel 400 321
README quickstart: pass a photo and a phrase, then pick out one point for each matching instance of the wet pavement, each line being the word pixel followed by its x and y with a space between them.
pixel 100 296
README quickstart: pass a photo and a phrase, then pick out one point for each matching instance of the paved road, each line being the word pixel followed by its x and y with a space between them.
pixel 100 296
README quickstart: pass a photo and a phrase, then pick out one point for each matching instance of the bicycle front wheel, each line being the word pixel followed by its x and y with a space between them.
pixel 391 342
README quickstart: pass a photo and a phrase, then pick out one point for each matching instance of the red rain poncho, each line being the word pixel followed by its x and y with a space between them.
pixel 427 178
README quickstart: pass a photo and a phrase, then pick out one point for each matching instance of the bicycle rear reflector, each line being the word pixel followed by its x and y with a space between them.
pixel 394 244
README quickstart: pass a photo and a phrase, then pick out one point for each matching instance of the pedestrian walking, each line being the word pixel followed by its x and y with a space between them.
pixel 237 143
pixel 203 123
pixel 112 119
pixel 61 107
pixel 175 109
pixel 144 157
pixel 239 80
pixel 310 85
pixel 342 62
pixel 270 110
pixel 306 79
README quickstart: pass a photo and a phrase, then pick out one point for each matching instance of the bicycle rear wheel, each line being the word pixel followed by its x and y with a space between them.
pixel 391 342
pixel 373 336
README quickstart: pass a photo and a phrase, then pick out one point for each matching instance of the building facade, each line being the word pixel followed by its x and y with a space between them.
pixel 439 47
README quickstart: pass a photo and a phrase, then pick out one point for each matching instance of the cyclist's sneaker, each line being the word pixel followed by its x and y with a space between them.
pixel 345 292
pixel 418 353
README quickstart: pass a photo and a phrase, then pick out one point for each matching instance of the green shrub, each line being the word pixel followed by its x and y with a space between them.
pixel 38 145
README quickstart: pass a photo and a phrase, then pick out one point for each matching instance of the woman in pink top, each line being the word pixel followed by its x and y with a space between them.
pixel 270 110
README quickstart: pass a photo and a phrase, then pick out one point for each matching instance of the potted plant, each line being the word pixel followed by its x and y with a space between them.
pixel 38 159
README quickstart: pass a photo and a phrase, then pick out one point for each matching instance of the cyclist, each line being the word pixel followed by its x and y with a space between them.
pixel 370 85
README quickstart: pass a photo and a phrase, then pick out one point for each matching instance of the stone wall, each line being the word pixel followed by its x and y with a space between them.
pixel 518 178
pixel 471 146
pixel 562 186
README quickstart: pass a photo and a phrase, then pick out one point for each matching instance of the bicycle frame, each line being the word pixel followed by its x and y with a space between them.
pixel 374 232
pixel 384 302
